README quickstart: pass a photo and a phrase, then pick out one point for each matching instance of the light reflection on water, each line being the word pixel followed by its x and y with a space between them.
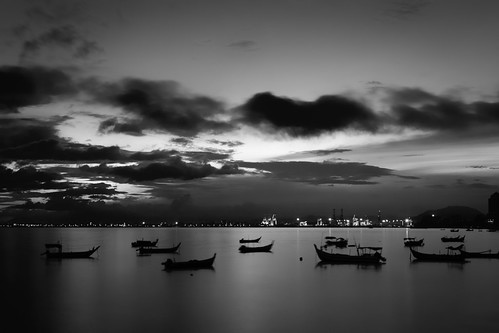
pixel 252 292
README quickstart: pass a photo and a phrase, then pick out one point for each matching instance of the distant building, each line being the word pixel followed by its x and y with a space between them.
pixel 493 215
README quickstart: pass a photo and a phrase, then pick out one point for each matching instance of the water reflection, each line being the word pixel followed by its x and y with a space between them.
pixel 288 290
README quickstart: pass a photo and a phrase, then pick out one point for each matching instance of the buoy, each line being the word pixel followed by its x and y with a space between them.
pixel 301 258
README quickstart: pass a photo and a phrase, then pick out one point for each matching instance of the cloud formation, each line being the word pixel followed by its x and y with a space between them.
pixel 160 106
pixel 66 38
pixel 30 86
pixel 298 118
pixel 175 168
pixel 325 173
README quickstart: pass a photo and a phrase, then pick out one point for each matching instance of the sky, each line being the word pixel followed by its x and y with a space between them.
pixel 190 110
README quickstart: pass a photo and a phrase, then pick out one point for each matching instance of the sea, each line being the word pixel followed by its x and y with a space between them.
pixel 281 291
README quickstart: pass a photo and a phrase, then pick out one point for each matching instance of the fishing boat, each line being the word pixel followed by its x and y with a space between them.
pixel 265 248
pixel 450 256
pixel 145 243
pixel 255 240
pixel 453 239
pixel 59 254
pixel 488 254
pixel 365 255
pixel 170 264
pixel 411 241
pixel 338 242
pixel 149 250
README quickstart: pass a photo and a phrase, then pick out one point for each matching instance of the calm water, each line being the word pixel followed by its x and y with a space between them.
pixel 256 292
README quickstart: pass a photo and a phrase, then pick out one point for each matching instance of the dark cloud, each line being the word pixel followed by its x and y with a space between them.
pixel 113 125
pixel 28 86
pixel 181 141
pixel 309 153
pixel 226 143
pixel 416 108
pixel 27 178
pixel 66 38
pixel 205 156
pixel 53 149
pixel 175 168
pixel 19 132
pixel 161 106
pixel 153 155
pixel 298 118
pixel 321 173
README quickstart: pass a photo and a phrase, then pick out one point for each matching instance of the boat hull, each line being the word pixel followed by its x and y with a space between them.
pixel 485 254
pixel 437 257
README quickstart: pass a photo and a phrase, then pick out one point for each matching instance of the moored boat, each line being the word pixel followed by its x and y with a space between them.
pixel 59 254
pixel 255 240
pixel 145 243
pixel 365 255
pixel 411 241
pixel 148 250
pixel 265 248
pixel 453 239
pixel 488 254
pixel 450 256
pixel 338 242
pixel 170 264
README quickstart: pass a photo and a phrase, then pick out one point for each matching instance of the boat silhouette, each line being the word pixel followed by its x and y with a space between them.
pixel 255 240
pixel 170 264
pixel 149 250
pixel 365 255
pixel 247 249
pixel 145 243
pixel 59 254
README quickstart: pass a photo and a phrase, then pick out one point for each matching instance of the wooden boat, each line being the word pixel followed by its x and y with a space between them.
pixel 338 242
pixel 144 243
pixel 59 254
pixel 265 248
pixel 488 254
pixel 148 250
pixel 170 264
pixel 411 241
pixel 450 256
pixel 365 255
pixel 453 239
pixel 256 240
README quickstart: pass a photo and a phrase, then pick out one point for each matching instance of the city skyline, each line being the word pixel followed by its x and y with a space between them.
pixel 184 110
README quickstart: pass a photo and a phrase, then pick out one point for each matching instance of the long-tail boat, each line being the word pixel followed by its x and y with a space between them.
pixel 59 254
pixel 450 256
pixel 338 242
pixel 170 264
pixel 265 248
pixel 411 241
pixel 488 254
pixel 148 250
pixel 255 240
pixel 365 255
pixel 145 243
